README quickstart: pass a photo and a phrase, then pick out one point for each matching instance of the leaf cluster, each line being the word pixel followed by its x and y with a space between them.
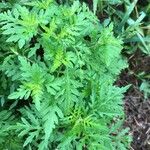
pixel 58 66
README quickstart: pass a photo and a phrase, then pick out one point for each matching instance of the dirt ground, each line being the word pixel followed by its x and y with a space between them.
pixel 137 109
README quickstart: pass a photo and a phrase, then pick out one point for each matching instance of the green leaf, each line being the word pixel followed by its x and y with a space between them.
pixel 21 43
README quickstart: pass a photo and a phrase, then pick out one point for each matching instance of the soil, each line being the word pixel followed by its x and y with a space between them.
pixel 137 109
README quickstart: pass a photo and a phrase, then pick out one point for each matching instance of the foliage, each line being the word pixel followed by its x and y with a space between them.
pixel 145 85
pixel 131 21
pixel 58 66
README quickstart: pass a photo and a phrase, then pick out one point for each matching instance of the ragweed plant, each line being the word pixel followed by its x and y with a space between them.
pixel 58 66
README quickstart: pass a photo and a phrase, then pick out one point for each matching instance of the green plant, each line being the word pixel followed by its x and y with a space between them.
pixel 129 21
pixel 58 68
pixel 145 88
pixel 145 84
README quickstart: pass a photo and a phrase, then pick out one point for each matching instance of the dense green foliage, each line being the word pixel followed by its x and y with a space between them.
pixel 58 66
pixel 131 20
